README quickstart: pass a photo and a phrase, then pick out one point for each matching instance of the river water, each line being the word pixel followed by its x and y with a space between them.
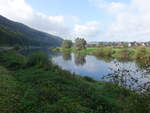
pixel 131 74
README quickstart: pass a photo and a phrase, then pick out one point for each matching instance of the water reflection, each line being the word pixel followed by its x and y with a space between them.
pixel 28 51
pixel 129 74
pixel 79 59
pixel 66 55
pixel 106 59
pixel 83 65
pixel 132 74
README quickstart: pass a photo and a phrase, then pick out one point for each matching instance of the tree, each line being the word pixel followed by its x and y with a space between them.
pixel 80 43
pixel 67 44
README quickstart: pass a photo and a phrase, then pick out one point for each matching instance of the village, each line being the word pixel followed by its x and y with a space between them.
pixel 118 44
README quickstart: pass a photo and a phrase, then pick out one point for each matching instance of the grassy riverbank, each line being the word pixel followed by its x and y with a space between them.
pixel 114 52
pixel 34 85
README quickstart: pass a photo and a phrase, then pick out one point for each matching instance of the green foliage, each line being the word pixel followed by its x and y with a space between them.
pixel 38 59
pixel 141 53
pixel 8 92
pixel 107 51
pixel 125 44
pixel 143 63
pixel 67 44
pixel 100 44
pixel 33 89
pixel 12 59
pixel 124 54
pixel 80 43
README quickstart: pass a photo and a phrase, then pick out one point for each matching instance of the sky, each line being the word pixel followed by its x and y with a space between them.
pixel 94 20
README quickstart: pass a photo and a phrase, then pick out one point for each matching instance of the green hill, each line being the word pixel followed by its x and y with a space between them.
pixel 14 33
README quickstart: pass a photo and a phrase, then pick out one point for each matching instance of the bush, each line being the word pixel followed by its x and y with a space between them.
pixel 12 59
pixel 141 53
pixel 8 92
pixel 38 59
pixel 67 44
pixel 104 52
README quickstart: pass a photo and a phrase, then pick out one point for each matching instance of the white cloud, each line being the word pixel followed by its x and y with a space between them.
pixel 110 7
pixel 20 11
pixel 66 27
pixel 16 9
pixel 131 20
pixel 90 30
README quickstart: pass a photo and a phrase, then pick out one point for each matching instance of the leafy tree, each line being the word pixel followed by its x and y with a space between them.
pixel 67 44
pixel 80 43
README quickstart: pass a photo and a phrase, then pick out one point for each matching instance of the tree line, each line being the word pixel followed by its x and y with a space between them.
pixel 79 44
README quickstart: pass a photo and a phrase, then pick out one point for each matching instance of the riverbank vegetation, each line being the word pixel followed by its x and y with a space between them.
pixel 132 53
pixel 124 52
pixel 33 84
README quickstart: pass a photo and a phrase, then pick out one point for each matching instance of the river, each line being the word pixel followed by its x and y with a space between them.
pixel 131 74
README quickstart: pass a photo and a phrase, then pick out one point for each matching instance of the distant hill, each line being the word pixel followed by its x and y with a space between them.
pixel 14 33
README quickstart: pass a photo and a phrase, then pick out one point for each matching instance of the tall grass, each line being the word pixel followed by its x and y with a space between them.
pixel 104 51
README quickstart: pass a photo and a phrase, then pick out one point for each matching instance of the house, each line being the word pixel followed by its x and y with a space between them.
pixel 129 45
pixel 135 44
pixel 119 44
pixel 141 44
pixel 132 44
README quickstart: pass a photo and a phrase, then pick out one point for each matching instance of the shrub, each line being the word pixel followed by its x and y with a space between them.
pixel 141 53
pixel 104 52
pixel 67 44
pixel 38 59
pixel 12 59
pixel 8 92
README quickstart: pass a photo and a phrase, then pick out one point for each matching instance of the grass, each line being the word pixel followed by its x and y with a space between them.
pixel 48 89
pixel 117 53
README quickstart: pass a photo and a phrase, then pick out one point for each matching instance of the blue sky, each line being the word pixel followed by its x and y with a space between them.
pixel 81 8
pixel 94 20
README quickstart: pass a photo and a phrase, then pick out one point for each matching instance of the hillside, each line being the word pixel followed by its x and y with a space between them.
pixel 12 33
